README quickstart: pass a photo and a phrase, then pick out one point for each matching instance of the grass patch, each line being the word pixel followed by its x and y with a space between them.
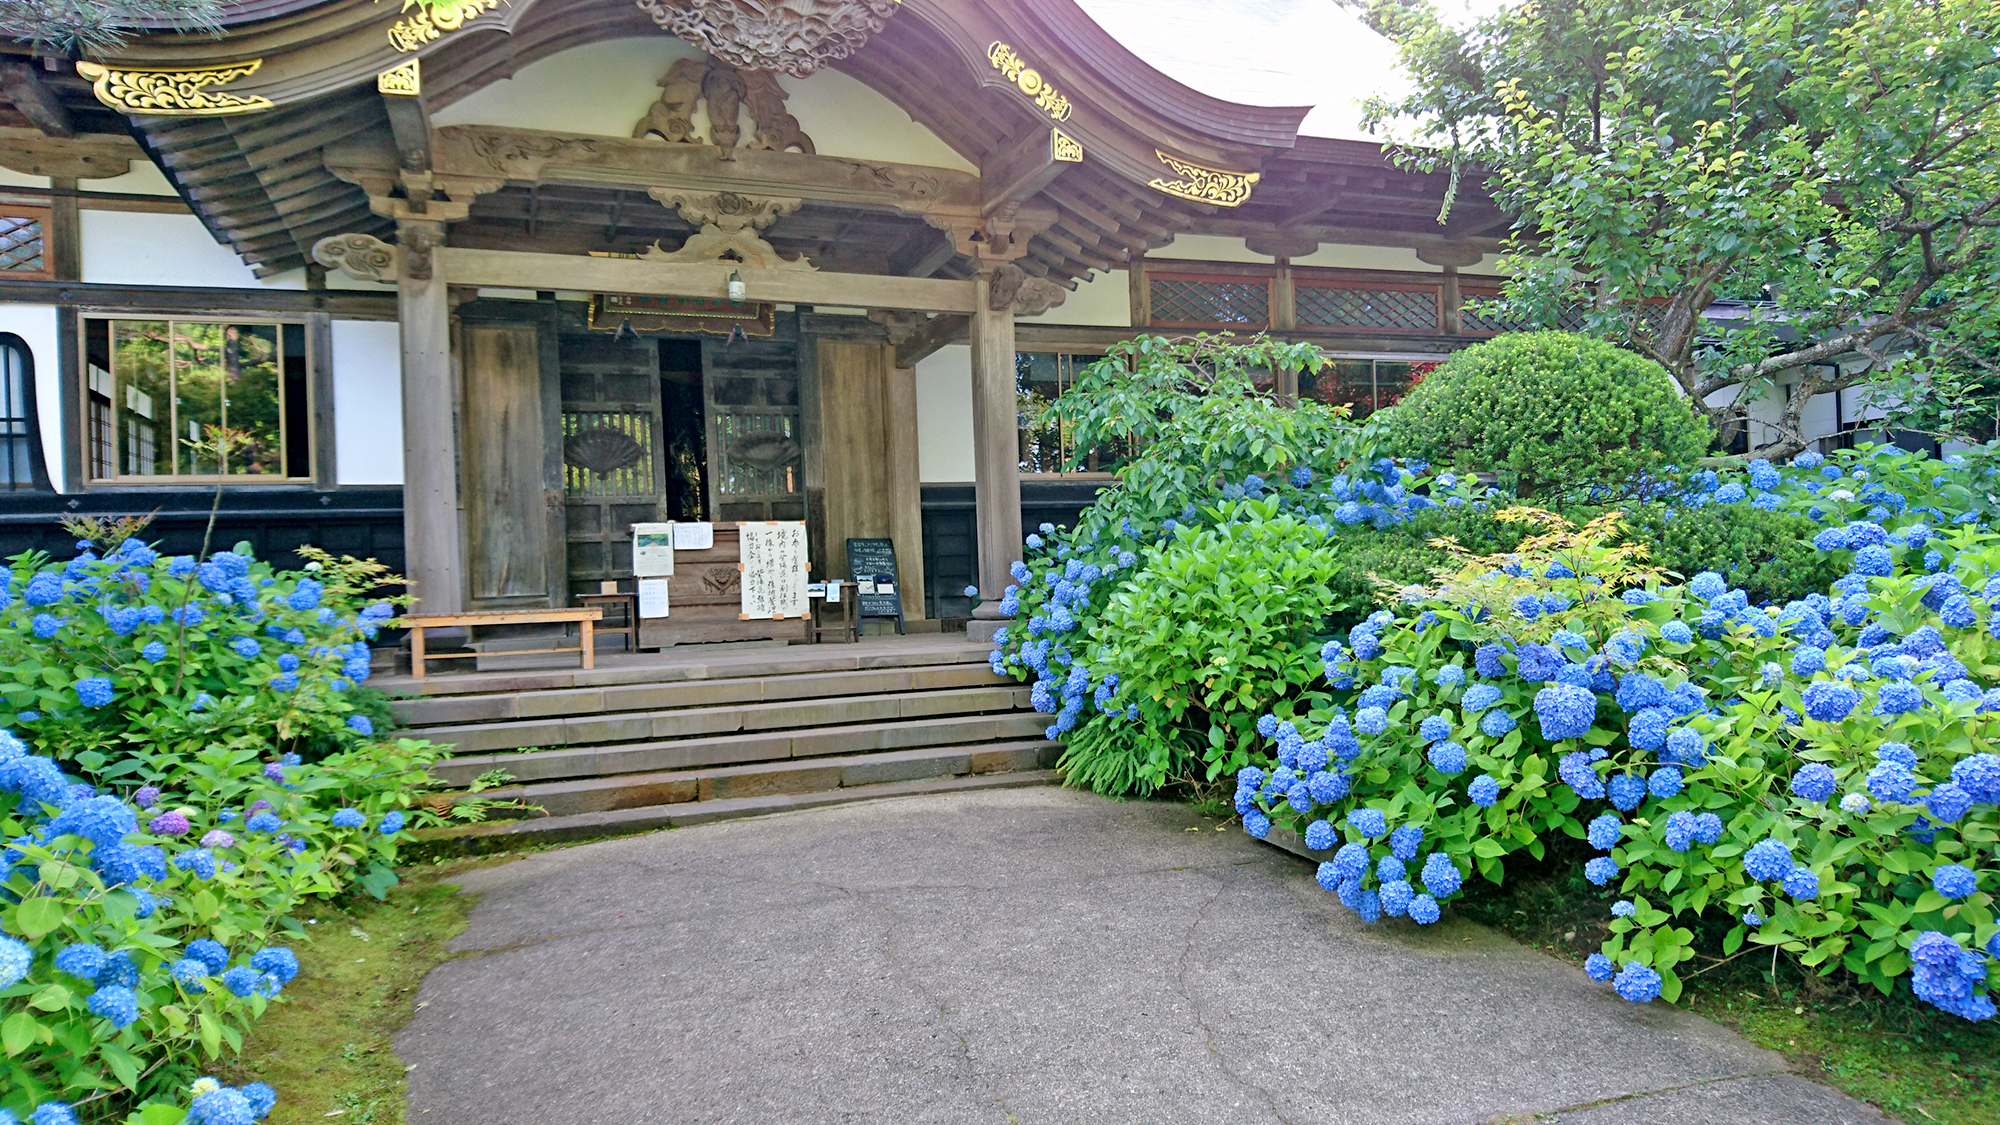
pixel 1910 1059
pixel 327 1048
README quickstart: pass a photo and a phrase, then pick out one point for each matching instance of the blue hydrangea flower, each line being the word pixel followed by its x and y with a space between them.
pixel 1447 758
pixel 1405 841
pixel 1434 728
pixel 246 647
pixel 1327 787
pixel 1371 720
pixel 1424 910
pixel 81 960
pixel 1814 782
pixel 392 822
pixel 1637 983
pixel 1664 782
pixel 93 691
pixel 154 652
pixel 1576 772
pixel 1368 821
pixel 1801 883
pixel 1708 585
pixel 1686 746
pixel 197 860
pixel 1947 803
pixel 1891 781
pixel 1828 701
pixel 1707 828
pixel 1450 675
pixel 1565 711
pixel 265 821
pixel 1319 835
pixel 1979 776
pixel 1600 870
pixel 1954 880
pixel 1394 897
pixel 1441 876
pixel 1897 697
pixel 116 1003
pixel 1484 791
pixel 1626 790
pixel 1349 862
pixel 1623 908
pixel 1677 632
pixel 1604 832
pixel 352 818
pixel 1599 967
pixel 1767 860
pixel 1256 823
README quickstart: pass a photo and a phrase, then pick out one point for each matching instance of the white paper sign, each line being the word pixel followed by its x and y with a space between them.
pixel 653 550
pixel 694 536
pixel 774 570
pixel 652 597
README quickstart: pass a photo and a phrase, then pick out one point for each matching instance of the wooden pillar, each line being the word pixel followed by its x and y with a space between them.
pixel 63 242
pixel 433 533
pixel 996 452
pixel 906 500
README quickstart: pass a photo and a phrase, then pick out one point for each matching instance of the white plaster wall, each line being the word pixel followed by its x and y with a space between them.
pixel 11 178
pixel 36 326
pixel 605 88
pixel 367 402
pixel 145 178
pixel 138 248
pixel 1104 300
pixel 944 416
pixel 1207 248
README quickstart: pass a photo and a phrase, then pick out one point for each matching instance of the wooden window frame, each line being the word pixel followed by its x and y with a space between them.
pixel 1208 273
pixel 317 329
pixel 1434 289
pixel 40 215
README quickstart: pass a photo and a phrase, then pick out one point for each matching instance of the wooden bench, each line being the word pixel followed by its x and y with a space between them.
pixel 416 623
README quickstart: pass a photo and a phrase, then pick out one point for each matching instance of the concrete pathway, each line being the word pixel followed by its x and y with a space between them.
pixel 1024 957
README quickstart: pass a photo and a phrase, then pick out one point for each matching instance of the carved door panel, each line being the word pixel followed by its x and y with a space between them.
pixel 612 453
pixel 513 503
pixel 755 442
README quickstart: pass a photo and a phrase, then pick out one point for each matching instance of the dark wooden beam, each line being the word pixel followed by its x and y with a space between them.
pixel 23 85
pixel 1013 176
pixel 945 328
pixel 341 303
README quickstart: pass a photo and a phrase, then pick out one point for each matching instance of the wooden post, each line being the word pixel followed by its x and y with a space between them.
pixel 433 535
pixel 996 452
pixel 906 500
pixel 63 242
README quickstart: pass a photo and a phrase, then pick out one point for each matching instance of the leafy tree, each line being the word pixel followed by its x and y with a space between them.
pixel 87 26
pixel 1834 166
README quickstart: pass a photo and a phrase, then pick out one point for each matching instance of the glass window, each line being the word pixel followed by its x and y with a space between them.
pixel 17 416
pixel 158 391
pixel 1040 379
pixel 1362 385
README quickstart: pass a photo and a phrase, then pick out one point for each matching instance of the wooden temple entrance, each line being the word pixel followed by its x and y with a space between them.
pixel 711 307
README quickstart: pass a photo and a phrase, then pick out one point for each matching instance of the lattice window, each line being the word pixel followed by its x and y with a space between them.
pixel 21 244
pixel 760 454
pixel 607 453
pixel 1477 316
pixel 1369 310
pixel 1230 302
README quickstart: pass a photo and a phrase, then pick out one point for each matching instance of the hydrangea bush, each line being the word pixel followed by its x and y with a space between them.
pixel 1817 773
pixel 164 834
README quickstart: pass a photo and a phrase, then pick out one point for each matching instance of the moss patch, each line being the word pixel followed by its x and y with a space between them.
pixel 327 1050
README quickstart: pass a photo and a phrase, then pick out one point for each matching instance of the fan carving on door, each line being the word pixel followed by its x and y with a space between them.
pixel 602 450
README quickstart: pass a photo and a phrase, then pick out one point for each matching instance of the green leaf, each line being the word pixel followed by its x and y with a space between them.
pixel 19 1032
pixel 211 1034
pixel 38 917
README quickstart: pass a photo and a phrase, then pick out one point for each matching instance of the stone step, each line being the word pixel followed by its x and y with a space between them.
pixel 646 818
pixel 699 722
pixel 649 668
pixel 764 779
pixel 766 745
pixel 438 711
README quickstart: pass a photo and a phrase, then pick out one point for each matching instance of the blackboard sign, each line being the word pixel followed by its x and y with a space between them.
pixel 874 560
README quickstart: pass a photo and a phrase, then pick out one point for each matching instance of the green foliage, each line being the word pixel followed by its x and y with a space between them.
pixel 92 26
pixel 1216 620
pixel 1194 412
pixel 1557 415
pixel 1769 555
pixel 1836 161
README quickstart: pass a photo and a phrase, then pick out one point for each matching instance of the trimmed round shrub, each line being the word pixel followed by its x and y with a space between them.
pixel 1554 413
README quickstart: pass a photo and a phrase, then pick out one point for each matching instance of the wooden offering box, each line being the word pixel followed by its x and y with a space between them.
pixel 705 599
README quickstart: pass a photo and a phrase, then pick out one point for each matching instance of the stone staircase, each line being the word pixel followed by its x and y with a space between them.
pixel 649 741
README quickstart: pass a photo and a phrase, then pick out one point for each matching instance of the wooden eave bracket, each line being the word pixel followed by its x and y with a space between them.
pixel 91 156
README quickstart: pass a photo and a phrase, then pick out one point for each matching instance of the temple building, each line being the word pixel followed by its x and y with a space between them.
pixel 482 285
